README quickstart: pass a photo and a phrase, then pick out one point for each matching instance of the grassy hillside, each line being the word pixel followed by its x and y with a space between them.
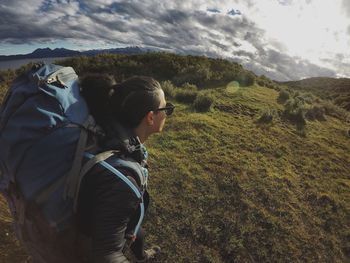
pixel 227 188
pixel 337 90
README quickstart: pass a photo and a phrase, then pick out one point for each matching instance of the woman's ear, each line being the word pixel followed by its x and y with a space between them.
pixel 150 118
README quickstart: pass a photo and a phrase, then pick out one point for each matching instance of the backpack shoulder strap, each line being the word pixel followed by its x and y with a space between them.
pixel 136 169
pixel 93 160
pixel 137 192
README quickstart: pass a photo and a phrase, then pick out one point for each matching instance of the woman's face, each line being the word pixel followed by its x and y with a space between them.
pixel 160 116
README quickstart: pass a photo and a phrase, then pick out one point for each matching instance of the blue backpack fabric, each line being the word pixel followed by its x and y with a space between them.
pixel 42 119
pixel 45 128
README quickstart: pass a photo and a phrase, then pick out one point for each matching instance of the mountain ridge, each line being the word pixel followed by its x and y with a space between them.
pixel 63 52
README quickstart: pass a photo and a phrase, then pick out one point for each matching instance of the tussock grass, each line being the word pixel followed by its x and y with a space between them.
pixel 203 102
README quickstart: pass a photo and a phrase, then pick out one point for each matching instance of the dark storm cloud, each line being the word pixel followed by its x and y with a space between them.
pixel 33 22
pixel 226 24
pixel 213 10
pixel 234 12
pixel 175 17
pixel 169 26
pixel 219 44
pixel 243 53
pixel 17 28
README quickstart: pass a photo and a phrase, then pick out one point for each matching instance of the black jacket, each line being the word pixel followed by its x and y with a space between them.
pixel 107 207
pixel 108 210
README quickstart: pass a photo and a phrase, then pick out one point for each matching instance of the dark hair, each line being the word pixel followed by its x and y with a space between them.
pixel 127 102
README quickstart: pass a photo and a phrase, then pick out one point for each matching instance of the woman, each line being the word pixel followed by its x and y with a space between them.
pixel 107 208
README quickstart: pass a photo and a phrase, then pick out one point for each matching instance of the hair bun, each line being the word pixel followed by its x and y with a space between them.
pixel 97 90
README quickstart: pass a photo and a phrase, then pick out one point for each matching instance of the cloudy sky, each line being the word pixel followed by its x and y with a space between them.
pixel 283 39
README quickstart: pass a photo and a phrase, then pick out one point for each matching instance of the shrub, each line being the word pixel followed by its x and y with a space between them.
pixel 295 104
pixel 261 82
pixel 283 96
pixel 297 117
pixel 266 116
pixel 316 113
pixel 245 78
pixel 335 111
pixel 309 98
pixel 168 88
pixel 189 86
pixel 295 112
pixel 203 102
pixel 274 87
pixel 268 83
pixel 296 94
pixel 301 130
pixel 186 96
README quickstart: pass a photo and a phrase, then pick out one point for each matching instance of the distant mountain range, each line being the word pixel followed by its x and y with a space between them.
pixel 62 52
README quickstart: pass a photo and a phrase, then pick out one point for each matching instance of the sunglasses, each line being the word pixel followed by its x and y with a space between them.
pixel 169 108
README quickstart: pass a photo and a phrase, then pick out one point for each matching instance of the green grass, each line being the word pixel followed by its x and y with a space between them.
pixel 225 189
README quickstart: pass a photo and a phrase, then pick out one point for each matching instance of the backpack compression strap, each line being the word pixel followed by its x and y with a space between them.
pixel 72 177
pixel 130 184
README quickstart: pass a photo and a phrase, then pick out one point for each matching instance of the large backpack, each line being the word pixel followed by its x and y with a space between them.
pixel 45 132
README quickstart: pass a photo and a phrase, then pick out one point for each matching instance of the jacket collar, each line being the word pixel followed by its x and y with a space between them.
pixel 123 139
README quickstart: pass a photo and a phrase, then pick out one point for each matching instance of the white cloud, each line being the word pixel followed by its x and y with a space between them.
pixel 283 39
